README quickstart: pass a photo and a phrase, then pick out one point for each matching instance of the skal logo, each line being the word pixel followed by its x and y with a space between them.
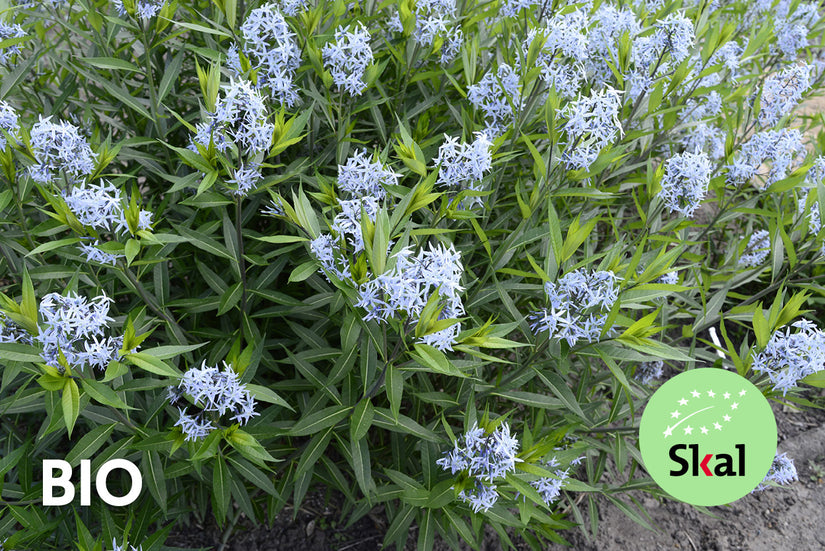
pixel 50 482
pixel 708 436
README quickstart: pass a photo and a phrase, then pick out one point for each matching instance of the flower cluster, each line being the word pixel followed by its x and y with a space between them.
pixel 782 471
pixel 347 223
pixel 487 457
pixel 364 180
pixel 8 122
pixel 701 135
pixel 549 488
pixel 59 147
pixel 408 285
pixel 592 124
pixel 685 182
pixel 102 207
pixel 497 94
pixel 578 305
pixel 94 253
pixel 789 357
pixel 757 249
pixel 362 177
pixel 11 332
pixel 348 58
pixel 435 18
pixel 782 92
pixel 144 9
pixel 246 178
pixel 116 547
pixel 781 147
pixel 239 119
pixel 563 37
pixel 270 46
pixel 647 372
pixel 462 165
pixel 212 391
pixel 8 31
pixel 74 327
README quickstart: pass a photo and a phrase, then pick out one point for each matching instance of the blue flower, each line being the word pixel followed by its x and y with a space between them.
pixel 577 302
pixel 782 471
pixel 101 206
pixel 781 147
pixel 145 9
pixel 782 92
pixel 348 58
pixel 789 357
pixel 685 182
pixel 406 287
pixel 270 46
pixel 647 372
pixel 94 254
pixel 757 249
pixel 487 457
pixel 497 94
pixel 592 123
pixel 74 327
pixel 8 122
pixel 11 332
pixel 360 176
pixel 462 165
pixel 116 547
pixel 212 391
pixel 246 179
pixel 59 148
pixel 239 119
pixel 8 31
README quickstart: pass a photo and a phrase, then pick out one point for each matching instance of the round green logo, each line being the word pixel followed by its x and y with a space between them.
pixel 708 436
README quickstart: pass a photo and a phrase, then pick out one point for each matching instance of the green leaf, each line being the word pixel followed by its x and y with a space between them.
pixel 253 474
pixel 70 403
pixel 320 420
pixel 19 352
pixel 361 420
pixel 435 360
pixel 153 365
pixel 28 306
pixel 204 242
pixel 221 485
pixel 110 63
pixel 171 351
pixel 559 387
pixel 103 394
pixel 230 298
pixel 153 477
pixel 89 444
pixel 303 271
pixel 268 395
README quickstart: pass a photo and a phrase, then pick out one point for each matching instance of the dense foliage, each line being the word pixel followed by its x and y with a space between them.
pixel 430 256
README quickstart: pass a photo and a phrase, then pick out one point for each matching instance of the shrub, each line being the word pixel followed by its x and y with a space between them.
pixel 430 256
